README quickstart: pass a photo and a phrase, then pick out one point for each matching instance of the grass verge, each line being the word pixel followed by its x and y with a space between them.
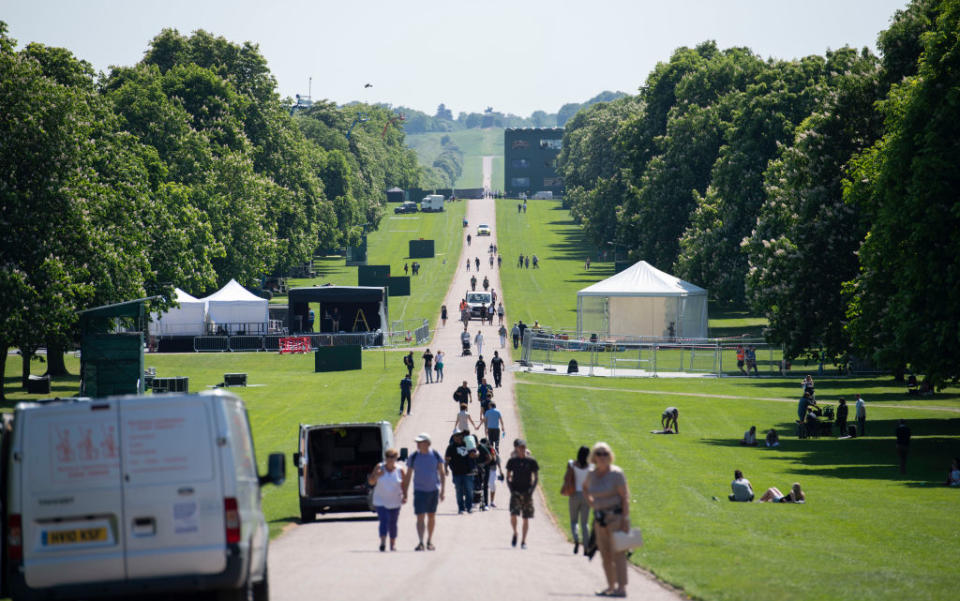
pixel 865 531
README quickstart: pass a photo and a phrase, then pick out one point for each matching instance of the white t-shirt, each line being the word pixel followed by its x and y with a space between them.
pixel 389 490
pixel 742 491
pixel 579 475
pixel 463 421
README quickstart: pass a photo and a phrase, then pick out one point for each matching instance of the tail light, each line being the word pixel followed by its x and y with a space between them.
pixel 14 537
pixel 231 520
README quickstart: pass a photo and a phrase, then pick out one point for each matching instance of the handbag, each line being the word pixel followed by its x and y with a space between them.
pixel 624 541
pixel 568 487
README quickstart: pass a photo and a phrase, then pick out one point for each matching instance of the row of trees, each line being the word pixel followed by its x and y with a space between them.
pixel 186 169
pixel 822 191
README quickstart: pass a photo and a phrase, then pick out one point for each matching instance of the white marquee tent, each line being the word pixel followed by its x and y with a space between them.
pixel 643 301
pixel 185 320
pixel 234 309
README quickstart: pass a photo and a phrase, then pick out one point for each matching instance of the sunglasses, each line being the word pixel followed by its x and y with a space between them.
pixel 601 454
pixel 391 456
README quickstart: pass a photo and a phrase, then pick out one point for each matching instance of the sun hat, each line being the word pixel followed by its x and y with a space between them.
pixel 422 437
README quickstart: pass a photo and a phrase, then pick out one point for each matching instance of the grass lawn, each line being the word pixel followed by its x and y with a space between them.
pixel 549 294
pixel 284 391
pixel 390 246
pixel 474 143
pixel 866 532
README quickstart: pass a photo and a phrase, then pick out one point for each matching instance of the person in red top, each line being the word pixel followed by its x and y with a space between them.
pixel 740 358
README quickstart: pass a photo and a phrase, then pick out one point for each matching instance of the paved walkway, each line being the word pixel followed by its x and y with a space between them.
pixel 337 556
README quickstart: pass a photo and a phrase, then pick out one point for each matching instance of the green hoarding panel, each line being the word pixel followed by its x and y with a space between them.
pixel 398 285
pixel 421 249
pixel 112 364
pixel 338 358
pixel 372 275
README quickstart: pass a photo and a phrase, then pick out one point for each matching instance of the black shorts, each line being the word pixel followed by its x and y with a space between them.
pixel 493 434
pixel 739 362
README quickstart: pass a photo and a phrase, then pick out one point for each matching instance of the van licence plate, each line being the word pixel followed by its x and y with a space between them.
pixel 74 537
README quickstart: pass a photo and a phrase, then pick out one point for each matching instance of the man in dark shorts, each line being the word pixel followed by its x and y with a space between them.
pixel 494 423
pixel 523 473
pixel 670 415
pixel 425 468
pixel 481 368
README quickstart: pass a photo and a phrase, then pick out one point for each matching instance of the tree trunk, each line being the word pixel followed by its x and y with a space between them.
pixel 3 370
pixel 55 363
pixel 25 356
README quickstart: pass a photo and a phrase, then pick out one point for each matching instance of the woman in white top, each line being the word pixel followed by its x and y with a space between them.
pixel 387 482
pixel 464 421
pixel 577 471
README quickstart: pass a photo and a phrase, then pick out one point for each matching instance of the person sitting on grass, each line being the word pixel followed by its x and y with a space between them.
pixel 773 495
pixel 773 439
pixel 953 477
pixel 742 490
pixel 750 437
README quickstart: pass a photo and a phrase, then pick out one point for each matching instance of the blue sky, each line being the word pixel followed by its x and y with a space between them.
pixel 516 56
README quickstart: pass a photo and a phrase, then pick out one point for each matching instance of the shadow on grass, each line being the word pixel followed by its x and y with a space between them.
pixel 934 443
pixel 830 390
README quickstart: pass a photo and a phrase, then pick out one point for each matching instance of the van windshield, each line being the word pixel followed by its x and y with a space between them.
pixel 478 297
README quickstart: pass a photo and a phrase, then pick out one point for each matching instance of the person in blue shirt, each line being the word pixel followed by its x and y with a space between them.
pixel 425 468
pixel 493 420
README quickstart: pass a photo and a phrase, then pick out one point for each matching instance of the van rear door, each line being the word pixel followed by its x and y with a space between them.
pixel 71 504
pixel 173 494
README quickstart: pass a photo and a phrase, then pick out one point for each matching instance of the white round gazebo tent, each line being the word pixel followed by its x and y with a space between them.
pixel 642 301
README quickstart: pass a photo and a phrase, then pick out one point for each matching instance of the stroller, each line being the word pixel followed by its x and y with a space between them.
pixel 466 348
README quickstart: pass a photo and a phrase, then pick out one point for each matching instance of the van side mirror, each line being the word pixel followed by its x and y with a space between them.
pixel 296 460
pixel 403 454
pixel 276 470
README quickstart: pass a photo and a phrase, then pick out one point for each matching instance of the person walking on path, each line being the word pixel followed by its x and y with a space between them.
pixel 468 264
pixel 463 421
pixel 526 262
pixel 903 444
pixel 473 283
pixel 477 262
pixel 484 395
pixel 406 384
pixel 425 468
pixel 408 363
pixel 493 421
pixel 500 315
pixel 493 296
pixel 520 261
pixel 496 366
pixel 523 474
pixel 481 368
pixel 462 394
pixel 577 471
pixel 462 462
pixel 607 493
pixel 516 336
pixel 443 315
pixel 502 331
pixel 499 261
pixel 438 365
pixel 478 342
pixel 861 413
pixel 387 482
pixel 468 239
pixel 428 365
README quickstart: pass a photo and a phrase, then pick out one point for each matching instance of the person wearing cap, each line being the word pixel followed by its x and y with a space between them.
pixel 523 474
pixel 425 468
pixel 462 460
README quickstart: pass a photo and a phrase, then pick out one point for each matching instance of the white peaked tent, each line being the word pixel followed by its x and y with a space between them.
pixel 185 320
pixel 643 301
pixel 236 309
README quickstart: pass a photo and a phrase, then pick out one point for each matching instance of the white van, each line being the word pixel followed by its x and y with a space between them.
pixel 333 462
pixel 130 495
pixel 432 203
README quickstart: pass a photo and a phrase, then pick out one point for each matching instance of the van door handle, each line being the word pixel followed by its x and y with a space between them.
pixel 185 490
pixel 144 527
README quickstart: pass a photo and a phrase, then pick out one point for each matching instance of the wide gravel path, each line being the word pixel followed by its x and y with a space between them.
pixel 337 557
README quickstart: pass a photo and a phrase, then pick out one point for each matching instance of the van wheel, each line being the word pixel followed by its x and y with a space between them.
pixel 261 590
pixel 244 593
pixel 307 515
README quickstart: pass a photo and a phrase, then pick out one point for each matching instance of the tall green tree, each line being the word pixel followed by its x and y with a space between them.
pixel 905 306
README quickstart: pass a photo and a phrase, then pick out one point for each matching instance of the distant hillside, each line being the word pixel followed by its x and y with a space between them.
pixel 418 122
pixel 474 144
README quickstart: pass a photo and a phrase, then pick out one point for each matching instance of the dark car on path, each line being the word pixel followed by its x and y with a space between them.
pixel 407 207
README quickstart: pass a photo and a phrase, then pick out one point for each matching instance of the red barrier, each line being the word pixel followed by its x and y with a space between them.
pixel 295 344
